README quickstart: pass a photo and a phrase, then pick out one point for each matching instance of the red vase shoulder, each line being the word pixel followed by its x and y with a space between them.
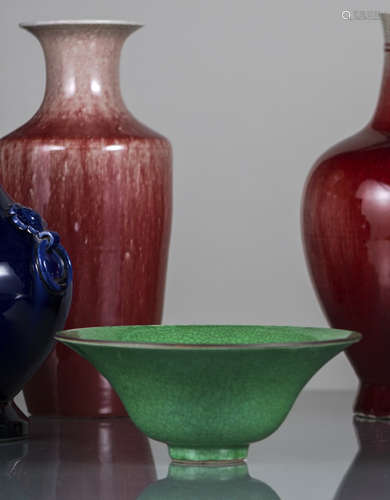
pixel 346 228
pixel 77 125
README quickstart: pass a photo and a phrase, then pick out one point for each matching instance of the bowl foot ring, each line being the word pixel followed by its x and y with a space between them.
pixel 208 456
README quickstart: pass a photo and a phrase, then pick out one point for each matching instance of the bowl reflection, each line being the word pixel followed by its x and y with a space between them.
pixel 187 482
pixel 368 476
pixel 67 459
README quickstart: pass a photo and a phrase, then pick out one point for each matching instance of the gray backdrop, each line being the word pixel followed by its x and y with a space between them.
pixel 250 93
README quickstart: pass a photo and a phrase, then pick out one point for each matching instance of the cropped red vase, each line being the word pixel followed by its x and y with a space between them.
pixel 346 232
pixel 103 180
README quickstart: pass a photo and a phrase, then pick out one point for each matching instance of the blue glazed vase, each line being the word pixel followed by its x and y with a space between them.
pixel 35 297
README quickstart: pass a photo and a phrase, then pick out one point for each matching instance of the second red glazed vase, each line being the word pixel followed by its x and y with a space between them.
pixel 103 180
pixel 346 230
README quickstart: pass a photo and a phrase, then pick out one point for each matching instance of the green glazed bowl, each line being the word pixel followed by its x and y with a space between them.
pixel 208 391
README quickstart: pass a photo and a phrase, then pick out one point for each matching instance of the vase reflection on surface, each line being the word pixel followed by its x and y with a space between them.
pixel 346 232
pixel 208 483
pixel 11 455
pixel 103 181
pixel 368 476
pixel 66 459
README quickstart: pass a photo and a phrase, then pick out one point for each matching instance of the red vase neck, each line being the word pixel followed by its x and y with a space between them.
pixel 82 66
pixel 82 97
pixel 381 118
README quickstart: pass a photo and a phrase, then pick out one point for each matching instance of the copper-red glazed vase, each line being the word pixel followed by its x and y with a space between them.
pixel 103 180
pixel 346 232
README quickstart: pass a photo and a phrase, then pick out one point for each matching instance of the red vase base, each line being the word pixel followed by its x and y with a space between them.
pixel 373 402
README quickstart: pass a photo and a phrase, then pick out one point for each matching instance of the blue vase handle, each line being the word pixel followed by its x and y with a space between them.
pixel 51 259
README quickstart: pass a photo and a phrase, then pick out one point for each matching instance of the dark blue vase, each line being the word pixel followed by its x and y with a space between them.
pixel 35 296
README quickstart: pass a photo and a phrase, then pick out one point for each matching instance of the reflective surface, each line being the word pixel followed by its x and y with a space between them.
pixel 368 476
pixel 194 482
pixel 320 452
pixel 76 459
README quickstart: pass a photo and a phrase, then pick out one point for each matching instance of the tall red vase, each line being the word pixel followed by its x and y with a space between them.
pixel 103 181
pixel 346 232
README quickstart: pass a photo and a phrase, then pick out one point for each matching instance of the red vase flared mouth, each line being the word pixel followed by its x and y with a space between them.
pixel 64 23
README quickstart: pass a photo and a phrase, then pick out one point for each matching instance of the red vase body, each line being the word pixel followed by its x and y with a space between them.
pixel 346 232
pixel 103 181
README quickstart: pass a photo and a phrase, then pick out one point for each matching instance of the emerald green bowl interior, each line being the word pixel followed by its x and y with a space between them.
pixel 208 391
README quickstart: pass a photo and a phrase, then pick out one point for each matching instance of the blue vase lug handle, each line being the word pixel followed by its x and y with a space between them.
pixel 51 259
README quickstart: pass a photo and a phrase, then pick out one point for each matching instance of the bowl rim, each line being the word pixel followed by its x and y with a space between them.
pixel 65 337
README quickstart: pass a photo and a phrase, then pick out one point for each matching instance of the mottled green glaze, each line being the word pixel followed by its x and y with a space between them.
pixel 208 483
pixel 208 391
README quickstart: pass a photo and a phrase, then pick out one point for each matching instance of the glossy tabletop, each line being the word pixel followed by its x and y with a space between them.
pixel 319 452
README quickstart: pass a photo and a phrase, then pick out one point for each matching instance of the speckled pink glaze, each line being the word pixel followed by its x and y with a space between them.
pixel 103 181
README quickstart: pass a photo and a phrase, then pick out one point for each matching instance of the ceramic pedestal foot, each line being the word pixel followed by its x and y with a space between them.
pixel 208 456
pixel 13 423
pixel 373 402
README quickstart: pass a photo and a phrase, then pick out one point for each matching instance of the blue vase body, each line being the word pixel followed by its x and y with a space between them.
pixel 35 296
